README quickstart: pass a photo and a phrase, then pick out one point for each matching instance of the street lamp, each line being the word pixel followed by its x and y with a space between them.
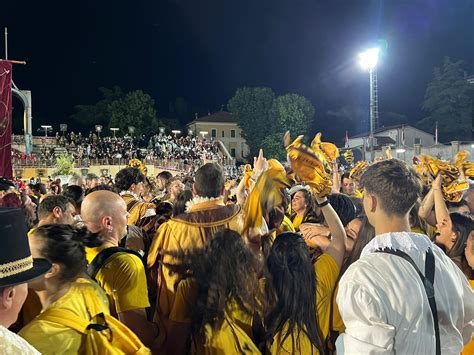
pixel 63 128
pixel 131 130
pixel 203 133
pixel 114 129
pixel 98 129
pixel 175 132
pixel 368 61
pixel 162 130
pixel 46 128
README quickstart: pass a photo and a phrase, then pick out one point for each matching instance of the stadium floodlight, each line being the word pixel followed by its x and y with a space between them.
pixel 98 129
pixel 46 128
pixel 114 129
pixel 369 59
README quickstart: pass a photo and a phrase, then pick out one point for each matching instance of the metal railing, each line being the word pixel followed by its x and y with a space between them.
pixel 167 164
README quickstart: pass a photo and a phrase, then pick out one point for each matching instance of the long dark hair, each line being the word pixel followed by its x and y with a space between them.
pixel 64 244
pixel 224 270
pixel 290 291
pixel 365 235
pixel 463 225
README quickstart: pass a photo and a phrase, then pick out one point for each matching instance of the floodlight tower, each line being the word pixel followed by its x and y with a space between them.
pixel 368 61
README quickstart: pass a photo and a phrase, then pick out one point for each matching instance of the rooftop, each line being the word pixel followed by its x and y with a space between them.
pixel 387 128
pixel 216 117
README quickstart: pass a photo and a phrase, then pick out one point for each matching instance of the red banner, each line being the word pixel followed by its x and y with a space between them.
pixel 6 119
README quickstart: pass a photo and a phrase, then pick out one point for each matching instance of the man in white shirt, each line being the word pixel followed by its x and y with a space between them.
pixel 381 298
pixel 17 267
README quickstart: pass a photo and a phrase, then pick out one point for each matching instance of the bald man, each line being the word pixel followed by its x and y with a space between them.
pixel 122 274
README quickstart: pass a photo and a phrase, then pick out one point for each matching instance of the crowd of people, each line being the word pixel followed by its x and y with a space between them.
pixel 184 152
pixel 288 257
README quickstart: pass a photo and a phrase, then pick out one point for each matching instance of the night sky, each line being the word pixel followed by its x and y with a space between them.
pixel 203 50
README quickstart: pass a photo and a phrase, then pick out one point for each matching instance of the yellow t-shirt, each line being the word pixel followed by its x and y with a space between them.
pixel 337 323
pixel 286 226
pixel 123 280
pixel 234 335
pixel 49 337
pixel 297 221
pixel 327 272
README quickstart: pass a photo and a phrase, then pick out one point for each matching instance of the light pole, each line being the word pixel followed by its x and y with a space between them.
pixel 114 129
pixel 368 61
pixel 63 128
pixel 46 128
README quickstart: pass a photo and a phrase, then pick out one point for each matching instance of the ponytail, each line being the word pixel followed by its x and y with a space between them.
pixel 65 245
pixel 86 238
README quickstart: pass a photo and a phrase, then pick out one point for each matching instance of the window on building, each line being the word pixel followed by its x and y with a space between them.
pixel 417 140
pixel 223 134
pixel 213 133
pixel 232 152
pixel 232 133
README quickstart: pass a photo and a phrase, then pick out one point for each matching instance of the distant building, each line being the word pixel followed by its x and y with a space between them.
pixel 221 126
pixel 394 136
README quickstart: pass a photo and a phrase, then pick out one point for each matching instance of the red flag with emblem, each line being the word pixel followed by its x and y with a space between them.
pixel 6 119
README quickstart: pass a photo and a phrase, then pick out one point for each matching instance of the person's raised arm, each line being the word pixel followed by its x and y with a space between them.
pixel 441 210
pixel 425 211
pixel 337 247
pixel 336 178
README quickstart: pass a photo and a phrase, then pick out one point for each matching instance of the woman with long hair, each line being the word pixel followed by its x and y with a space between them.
pixel 304 208
pixel 66 288
pixel 217 298
pixel 363 236
pixel 453 229
pixel 453 236
pixel 299 292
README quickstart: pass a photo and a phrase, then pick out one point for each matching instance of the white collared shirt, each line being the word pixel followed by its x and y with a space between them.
pixel 10 343
pixel 384 305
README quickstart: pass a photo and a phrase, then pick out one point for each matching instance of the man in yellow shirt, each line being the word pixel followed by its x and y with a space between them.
pixel 206 214
pixel 122 275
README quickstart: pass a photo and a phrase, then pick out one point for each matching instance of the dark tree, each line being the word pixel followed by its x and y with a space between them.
pixel 251 109
pixel 448 101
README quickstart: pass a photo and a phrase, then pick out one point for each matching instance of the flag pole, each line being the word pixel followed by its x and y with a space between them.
pixel 6 43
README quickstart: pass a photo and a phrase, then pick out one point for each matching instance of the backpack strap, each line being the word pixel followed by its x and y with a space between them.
pixel 428 283
pixel 104 257
pixel 66 318
pixel 131 204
